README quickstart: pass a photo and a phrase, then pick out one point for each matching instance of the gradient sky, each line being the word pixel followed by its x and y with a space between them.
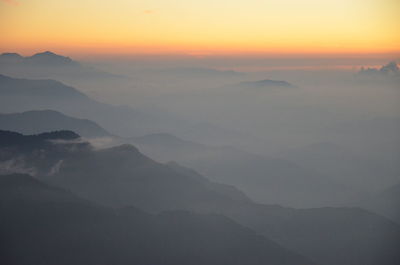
pixel 200 27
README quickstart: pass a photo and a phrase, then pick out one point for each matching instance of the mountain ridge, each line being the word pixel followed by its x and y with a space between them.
pixel 122 176
pixel 230 165
pixel 49 120
pixel 81 232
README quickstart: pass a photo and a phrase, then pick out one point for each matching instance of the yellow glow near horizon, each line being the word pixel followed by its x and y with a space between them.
pixel 200 27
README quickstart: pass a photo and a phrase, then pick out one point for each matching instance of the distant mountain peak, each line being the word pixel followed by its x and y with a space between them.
pixel 267 83
pixel 390 68
pixel 11 55
pixel 48 64
pixel 49 57
pixel 48 53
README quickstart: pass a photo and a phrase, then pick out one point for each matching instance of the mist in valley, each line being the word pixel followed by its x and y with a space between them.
pixel 262 155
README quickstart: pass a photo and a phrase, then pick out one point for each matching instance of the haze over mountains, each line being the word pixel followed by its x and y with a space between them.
pixel 269 176
pixel 265 179
pixel 357 170
pixel 386 203
pixel 122 176
pixel 205 165
pixel 27 94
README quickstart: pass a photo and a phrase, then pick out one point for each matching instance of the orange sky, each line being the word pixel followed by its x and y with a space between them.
pixel 200 28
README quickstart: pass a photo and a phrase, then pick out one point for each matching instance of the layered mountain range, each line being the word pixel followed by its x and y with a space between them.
pixel 87 182
pixel 122 177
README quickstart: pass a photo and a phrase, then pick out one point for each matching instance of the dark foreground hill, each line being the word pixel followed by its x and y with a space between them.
pixel 30 142
pixel 41 224
pixel 98 174
pixel 122 176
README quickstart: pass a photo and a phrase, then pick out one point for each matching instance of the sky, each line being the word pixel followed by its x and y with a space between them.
pixel 200 28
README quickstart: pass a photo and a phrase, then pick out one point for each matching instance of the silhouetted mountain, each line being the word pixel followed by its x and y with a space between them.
pixel 36 154
pixel 33 122
pixel 39 59
pixel 48 65
pixel 50 59
pixel 136 176
pixel 8 138
pixel 390 69
pixel 250 89
pixel 47 89
pixel 10 57
pixel 18 95
pixel 267 180
pixel 122 176
pixel 25 95
pixel 139 181
pixel 45 225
